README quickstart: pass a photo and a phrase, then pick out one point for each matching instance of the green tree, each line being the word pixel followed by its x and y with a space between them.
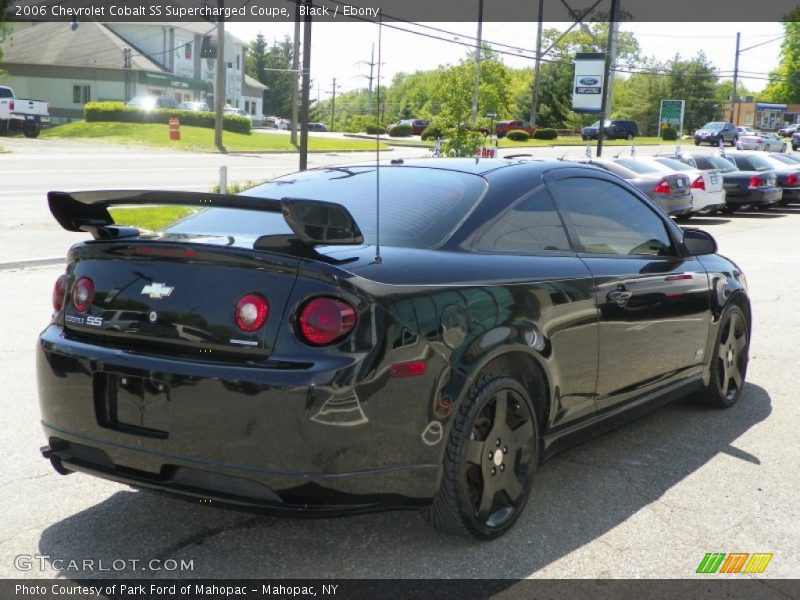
pixel 695 82
pixel 260 59
pixel 784 83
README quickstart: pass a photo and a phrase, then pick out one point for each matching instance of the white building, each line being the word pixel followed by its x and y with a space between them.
pixel 116 61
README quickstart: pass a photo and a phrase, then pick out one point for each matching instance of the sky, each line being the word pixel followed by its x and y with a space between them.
pixel 341 49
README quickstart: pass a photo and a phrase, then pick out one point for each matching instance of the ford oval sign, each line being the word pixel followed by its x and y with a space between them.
pixel 588 81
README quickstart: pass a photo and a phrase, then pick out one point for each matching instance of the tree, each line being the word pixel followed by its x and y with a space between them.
pixel 280 84
pixel 695 82
pixel 784 83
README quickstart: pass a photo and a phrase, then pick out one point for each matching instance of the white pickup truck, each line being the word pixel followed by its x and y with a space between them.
pixel 17 114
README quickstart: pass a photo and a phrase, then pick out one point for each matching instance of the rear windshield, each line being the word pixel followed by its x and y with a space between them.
pixel 789 160
pixel 640 166
pixel 675 164
pixel 419 207
pixel 707 163
pixel 753 163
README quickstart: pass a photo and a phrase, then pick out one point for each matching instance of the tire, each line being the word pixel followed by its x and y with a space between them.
pixel 729 210
pixel 464 504
pixel 734 141
pixel 31 131
pixel 697 142
pixel 683 218
pixel 629 136
pixel 729 362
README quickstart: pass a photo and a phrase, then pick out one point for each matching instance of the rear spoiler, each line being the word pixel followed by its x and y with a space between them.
pixel 314 222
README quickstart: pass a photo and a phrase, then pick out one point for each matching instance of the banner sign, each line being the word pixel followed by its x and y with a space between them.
pixel 587 89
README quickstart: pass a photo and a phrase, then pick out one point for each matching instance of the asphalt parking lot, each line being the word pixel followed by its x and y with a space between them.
pixel 647 500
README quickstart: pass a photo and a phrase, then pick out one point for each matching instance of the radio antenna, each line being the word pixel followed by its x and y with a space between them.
pixel 378 259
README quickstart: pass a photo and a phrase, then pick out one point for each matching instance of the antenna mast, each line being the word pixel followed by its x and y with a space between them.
pixel 378 258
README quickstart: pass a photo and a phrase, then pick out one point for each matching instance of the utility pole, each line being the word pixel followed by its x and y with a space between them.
pixel 126 64
pixel 306 85
pixel 296 68
pixel 537 66
pixel 219 93
pixel 734 99
pixel 477 63
pixel 332 91
pixel 612 24
pixel 371 64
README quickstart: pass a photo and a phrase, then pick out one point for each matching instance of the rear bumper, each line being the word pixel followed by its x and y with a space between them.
pixel 269 438
pixel 756 197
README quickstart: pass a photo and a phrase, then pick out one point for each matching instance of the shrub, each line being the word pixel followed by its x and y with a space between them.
pixel 669 133
pixel 118 112
pixel 431 132
pixel 400 131
pixel 518 135
pixel 545 133
pixel 374 129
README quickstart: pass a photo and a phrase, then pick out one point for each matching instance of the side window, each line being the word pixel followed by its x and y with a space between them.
pixel 608 219
pixel 530 225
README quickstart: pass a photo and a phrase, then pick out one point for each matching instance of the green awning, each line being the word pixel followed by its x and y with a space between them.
pixel 173 81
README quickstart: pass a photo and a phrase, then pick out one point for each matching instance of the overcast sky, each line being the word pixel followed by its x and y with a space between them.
pixel 338 47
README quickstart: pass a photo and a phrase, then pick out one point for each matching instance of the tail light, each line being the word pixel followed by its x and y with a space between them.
pixel 83 294
pixel 662 187
pixel 251 312
pixel 698 184
pixel 756 181
pixel 326 320
pixel 59 292
pixel 11 105
pixel 408 369
pixel 791 179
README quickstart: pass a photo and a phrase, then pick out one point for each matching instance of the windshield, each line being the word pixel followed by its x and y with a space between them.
pixel 641 166
pixel 714 125
pixel 753 163
pixel 420 207
pixel 715 162
pixel 675 164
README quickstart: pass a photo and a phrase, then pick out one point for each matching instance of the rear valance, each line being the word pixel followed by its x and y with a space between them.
pixel 312 221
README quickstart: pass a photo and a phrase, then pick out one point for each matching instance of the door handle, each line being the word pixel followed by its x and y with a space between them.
pixel 621 297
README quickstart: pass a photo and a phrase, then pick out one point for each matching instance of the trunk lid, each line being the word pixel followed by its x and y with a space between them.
pixel 178 297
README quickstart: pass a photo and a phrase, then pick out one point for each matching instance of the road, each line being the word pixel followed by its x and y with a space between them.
pixel 647 500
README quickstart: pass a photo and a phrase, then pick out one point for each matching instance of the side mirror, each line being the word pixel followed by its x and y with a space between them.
pixel 698 242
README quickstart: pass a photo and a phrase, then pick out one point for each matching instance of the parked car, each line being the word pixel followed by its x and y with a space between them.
pixel 668 190
pixel 148 103
pixel 615 129
pixel 795 141
pixel 417 125
pixel 194 106
pixel 788 174
pixel 319 380
pixel 240 112
pixel 768 142
pixel 789 130
pixel 319 127
pixel 716 132
pixel 22 114
pixel 708 193
pixel 743 188
pixel 501 128
pixel 745 131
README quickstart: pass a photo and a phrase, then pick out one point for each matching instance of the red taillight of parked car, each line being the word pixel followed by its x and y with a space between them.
pixel 11 105
pixel 83 294
pixel 326 320
pixel 662 187
pixel 59 292
pixel 791 179
pixel 698 184
pixel 756 181
pixel 251 312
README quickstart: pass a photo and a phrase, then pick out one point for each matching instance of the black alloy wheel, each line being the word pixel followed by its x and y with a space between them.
pixel 489 461
pixel 729 362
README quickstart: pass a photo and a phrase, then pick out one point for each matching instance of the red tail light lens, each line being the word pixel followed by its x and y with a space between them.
pixel 11 105
pixel 83 294
pixel 662 187
pixel 791 179
pixel 251 312
pixel 59 292
pixel 326 320
pixel 756 181
pixel 699 184
pixel 409 369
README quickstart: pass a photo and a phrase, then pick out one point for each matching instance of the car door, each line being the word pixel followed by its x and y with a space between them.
pixel 556 301
pixel 653 303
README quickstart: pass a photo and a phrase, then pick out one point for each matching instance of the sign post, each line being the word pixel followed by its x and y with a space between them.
pixel 672 114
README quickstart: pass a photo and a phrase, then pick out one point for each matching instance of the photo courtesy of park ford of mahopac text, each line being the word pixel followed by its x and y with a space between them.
pixel 382 299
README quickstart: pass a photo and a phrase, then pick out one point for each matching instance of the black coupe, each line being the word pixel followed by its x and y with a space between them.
pixel 297 350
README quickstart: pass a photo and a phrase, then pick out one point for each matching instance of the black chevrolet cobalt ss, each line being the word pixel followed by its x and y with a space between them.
pixel 299 350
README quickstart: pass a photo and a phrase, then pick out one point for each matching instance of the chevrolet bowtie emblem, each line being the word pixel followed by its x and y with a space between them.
pixel 157 290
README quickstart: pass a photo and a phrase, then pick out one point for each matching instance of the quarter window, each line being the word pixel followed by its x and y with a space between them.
pixel 608 219
pixel 531 225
